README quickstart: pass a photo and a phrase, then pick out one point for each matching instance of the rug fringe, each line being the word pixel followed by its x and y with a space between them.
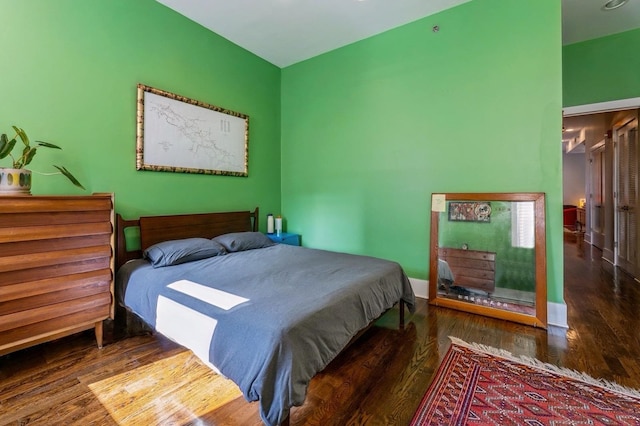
pixel 573 374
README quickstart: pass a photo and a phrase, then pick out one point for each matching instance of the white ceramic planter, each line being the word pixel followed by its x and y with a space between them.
pixel 15 181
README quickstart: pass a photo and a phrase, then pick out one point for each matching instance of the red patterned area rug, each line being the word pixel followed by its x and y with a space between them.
pixel 479 385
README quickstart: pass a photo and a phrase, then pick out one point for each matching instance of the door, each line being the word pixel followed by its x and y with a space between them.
pixel 626 197
pixel 596 206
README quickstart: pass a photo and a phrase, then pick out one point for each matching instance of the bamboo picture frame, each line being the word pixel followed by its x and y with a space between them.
pixel 178 134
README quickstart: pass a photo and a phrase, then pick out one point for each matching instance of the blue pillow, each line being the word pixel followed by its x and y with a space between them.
pixel 240 241
pixel 175 252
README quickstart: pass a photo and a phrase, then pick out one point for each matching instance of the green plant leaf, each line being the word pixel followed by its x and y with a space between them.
pixel 69 176
pixel 29 152
pixel 47 145
pixel 22 134
pixel 27 155
pixel 4 140
pixel 6 149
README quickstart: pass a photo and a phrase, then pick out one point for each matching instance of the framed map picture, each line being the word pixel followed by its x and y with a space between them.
pixel 178 134
pixel 470 211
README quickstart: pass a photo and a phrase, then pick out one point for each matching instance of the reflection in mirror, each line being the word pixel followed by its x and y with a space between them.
pixel 488 255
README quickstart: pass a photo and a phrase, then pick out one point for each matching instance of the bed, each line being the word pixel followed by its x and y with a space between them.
pixel 268 316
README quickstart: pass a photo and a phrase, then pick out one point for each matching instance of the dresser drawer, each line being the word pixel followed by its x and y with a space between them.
pixel 57 294
pixel 18 338
pixel 43 313
pixel 98 277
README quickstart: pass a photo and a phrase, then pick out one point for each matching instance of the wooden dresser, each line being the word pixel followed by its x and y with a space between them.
pixel 471 268
pixel 56 267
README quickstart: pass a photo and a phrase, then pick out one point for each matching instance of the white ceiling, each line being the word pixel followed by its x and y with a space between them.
pixel 585 19
pixel 285 32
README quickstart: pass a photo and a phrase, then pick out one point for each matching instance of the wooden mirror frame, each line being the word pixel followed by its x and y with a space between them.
pixel 540 318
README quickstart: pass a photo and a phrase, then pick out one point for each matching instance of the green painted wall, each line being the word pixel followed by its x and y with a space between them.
pixel 604 69
pixel 371 130
pixel 69 76
pixel 365 133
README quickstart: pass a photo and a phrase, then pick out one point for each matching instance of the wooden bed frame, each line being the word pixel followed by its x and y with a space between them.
pixel 155 229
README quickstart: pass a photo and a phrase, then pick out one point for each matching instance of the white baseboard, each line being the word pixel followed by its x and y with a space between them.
pixel 608 255
pixel 557 314
pixel 420 287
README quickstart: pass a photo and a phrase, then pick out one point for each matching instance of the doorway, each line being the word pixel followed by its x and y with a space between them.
pixel 611 182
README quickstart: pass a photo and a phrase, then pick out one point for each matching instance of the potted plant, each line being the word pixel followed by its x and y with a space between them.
pixel 17 180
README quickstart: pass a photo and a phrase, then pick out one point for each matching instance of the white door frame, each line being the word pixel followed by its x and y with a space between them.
pixel 589 236
pixel 630 103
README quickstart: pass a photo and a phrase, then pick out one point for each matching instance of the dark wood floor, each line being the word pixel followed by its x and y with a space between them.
pixel 378 381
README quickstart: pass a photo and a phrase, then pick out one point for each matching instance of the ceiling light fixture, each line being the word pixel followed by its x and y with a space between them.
pixel 614 4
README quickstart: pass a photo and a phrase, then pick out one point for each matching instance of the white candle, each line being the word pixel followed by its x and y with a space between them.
pixel 270 224
pixel 278 225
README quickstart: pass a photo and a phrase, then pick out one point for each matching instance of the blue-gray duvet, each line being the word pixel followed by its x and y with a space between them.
pixel 303 306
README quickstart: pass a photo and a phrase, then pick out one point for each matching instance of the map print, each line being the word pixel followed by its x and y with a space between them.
pixel 182 135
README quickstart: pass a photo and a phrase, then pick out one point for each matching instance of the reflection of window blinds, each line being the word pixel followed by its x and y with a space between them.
pixel 522 224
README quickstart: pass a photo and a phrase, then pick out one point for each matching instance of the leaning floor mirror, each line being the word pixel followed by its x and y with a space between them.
pixel 488 255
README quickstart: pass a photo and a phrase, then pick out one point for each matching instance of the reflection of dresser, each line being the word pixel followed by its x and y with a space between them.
pixel 56 267
pixel 581 219
pixel 471 268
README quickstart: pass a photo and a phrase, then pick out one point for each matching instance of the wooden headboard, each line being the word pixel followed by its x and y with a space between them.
pixel 155 229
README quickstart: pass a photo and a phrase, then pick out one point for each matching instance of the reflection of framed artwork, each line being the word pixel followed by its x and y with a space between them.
pixel 178 134
pixel 470 211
